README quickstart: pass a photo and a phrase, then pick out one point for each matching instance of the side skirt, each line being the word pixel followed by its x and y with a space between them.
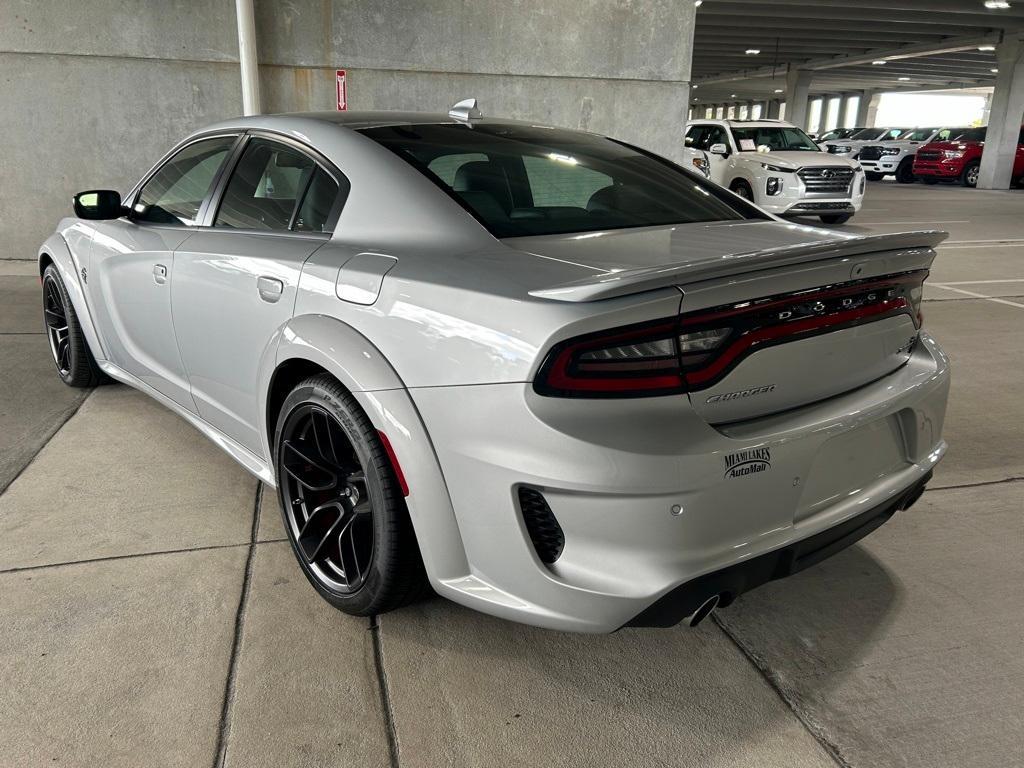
pixel 249 460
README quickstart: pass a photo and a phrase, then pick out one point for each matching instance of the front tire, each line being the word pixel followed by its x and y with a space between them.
pixel 836 218
pixel 905 172
pixel 343 508
pixel 969 177
pixel 741 188
pixel 68 347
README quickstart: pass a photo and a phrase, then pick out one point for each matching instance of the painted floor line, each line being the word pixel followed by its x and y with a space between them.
pixel 979 295
pixel 985 282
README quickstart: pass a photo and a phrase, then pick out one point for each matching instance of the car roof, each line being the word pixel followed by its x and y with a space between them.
pixel 743 123
pixel 356 120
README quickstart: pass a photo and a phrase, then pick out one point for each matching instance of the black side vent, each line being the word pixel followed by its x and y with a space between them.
pixel 544 530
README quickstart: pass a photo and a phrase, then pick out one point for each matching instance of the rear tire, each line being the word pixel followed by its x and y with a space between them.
pixel 874 176
pixel 741 188
pixel 836 218
pixel 68 346
pixel 905 172
pixel 343 507
pixel 969 177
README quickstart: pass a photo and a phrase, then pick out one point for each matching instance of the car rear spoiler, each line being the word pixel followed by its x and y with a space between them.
pixel 608 285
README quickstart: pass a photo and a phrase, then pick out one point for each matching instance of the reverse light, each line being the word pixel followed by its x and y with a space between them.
pixel 696 350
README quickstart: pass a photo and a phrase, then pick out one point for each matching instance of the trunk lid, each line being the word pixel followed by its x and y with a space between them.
pixel 802 314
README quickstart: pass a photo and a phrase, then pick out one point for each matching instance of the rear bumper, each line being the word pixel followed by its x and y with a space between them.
pixel 729 583
pixel 638 490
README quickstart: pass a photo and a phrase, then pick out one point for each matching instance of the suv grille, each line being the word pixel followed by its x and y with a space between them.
pixel 929 154
pixel 545 532
pixel 870 153
pixel 826 180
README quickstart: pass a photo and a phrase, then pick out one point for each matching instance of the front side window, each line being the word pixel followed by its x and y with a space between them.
pixel 534 181
pixel 175 193
pixel 265 187
pixel 775 138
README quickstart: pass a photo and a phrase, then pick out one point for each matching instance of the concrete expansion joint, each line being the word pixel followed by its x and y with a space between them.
pixel 385 693
pixel 1014 479
pixel 806 719
pixel 224 731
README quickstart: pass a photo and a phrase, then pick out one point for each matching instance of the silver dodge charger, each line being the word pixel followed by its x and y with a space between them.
pixel 550 375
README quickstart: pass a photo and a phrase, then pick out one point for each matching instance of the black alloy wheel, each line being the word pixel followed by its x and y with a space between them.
pixel 343 506
pixel 70 351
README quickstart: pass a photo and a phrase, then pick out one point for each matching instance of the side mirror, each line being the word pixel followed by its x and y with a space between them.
pixel 98 204
pixel 719 149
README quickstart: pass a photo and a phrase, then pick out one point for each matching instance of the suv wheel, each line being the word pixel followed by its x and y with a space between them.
pixel 905 171
pixel 836 218
pixel 741 188
pixel 969 177
pixel 343 507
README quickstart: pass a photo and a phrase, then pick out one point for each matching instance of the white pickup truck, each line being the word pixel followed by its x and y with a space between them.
pixel 777 166
pixel 897 156
pixel 851 146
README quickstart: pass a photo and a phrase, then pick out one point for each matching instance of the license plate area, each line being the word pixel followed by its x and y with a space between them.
pixel 851 462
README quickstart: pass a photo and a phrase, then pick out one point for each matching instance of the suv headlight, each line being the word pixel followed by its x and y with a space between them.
pixel 951 154
pixel 890 151
pixel 775 168
pixel 840 149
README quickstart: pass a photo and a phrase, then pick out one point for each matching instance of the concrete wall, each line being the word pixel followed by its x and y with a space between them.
pixel 92 92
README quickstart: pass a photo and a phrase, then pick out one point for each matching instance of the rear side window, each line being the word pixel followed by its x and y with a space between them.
pixel 174 194
pixel 528 180
pixel 265 187
pixel 315 210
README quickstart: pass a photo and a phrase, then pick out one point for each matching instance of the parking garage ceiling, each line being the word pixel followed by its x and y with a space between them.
pixel 924 44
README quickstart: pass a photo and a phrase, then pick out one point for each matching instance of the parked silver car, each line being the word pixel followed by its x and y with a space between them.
pixel 555 377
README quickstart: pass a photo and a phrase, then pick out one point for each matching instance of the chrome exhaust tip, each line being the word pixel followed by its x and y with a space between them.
pixel 703 612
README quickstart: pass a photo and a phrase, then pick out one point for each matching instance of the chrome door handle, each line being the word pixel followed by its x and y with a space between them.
pixel 270 288
pixel 160 274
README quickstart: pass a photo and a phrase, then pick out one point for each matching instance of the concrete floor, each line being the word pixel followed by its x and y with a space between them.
pixel 151 613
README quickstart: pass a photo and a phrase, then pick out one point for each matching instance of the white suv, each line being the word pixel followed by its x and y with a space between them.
pixel 777 166
pixel 897 157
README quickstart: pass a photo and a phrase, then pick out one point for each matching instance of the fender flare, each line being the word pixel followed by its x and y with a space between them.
pixel 56 249
pixel 361 368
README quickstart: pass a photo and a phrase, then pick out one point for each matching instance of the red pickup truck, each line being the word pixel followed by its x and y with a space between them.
pixel 960 158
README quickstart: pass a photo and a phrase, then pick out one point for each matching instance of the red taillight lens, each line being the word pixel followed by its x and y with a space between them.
pixel 633 361
pixel 696 350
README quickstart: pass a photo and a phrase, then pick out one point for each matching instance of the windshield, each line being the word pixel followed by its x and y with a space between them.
pixel 972 134
pixel 868 134
pixel 521 180
pixel 917 134
pixel 776 138
pixel 838 133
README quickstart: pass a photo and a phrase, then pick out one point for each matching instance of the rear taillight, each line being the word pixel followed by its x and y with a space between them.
pixel 698 349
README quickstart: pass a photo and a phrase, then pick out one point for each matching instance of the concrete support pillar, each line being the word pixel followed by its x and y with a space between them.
pixel 1005 117
pixel 864 108
pixel 986 111
pixel 247 59
pixel 773 111
pixel 844 108
pixel 798 82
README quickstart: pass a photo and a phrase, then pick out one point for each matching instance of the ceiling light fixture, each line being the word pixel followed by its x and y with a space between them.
pixel 986 47
pixel 994 71
pixel 997 5
pixel 778 90
pixel 752 51
pixel 879 63
pixel 904 78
